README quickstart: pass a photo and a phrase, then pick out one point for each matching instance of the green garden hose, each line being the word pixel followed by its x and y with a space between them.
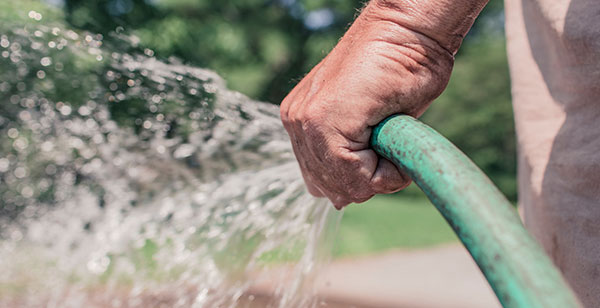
pixel 520 273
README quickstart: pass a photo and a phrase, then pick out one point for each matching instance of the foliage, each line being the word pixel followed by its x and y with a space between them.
pixel 259 46
pixel 476 114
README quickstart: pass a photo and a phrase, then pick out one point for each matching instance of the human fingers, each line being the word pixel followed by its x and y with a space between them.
pixel 387 178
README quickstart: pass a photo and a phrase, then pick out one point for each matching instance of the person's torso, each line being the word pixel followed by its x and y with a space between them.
pixel 554 56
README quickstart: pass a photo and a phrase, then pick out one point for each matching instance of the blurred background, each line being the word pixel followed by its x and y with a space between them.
pixel 262 48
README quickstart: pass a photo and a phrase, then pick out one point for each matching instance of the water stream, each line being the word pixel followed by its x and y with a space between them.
pixel 126 181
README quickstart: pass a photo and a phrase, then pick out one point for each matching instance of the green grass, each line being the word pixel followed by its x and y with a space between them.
pixel 389 222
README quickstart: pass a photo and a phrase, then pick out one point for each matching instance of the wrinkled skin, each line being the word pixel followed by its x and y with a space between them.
pixel 379 68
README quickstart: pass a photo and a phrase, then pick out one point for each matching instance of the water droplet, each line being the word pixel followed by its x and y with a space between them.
pixel 20 172
pixel 71 35
pixel 4 43
pixel 27 192
pixel 51 44
pixel 201 298
pixel 41 74
pixel 130 82
pixel 184 150
pixel 25 115
pixel 84 111
pixel 15 47
pixel 4 164
pixel 36 46
pixel 14 99
pixel 15 57
pixel 98 265
pixel 47 146
pixel 50 169
pixel 12 133
pixel 20 144
pixel 46 61
pixel 65 110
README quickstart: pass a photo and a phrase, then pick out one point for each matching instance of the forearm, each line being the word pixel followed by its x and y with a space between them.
pixel 444 21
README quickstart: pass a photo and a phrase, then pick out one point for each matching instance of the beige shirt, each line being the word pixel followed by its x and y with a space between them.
pixel 554 56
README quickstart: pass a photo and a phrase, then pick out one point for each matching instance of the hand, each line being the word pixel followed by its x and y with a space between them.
pixel 378 68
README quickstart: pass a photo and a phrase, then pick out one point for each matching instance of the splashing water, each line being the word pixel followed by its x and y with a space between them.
pixel 131 182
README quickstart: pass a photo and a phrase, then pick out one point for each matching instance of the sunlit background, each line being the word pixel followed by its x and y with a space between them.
pixel 107 95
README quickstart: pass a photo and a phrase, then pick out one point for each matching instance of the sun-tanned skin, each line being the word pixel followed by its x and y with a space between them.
pixel 395 58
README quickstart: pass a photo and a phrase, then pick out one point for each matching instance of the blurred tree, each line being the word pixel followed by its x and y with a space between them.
pixel 259 46
pixel 475 111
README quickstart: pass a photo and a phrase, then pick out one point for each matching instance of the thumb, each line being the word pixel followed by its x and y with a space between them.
pixel 388 178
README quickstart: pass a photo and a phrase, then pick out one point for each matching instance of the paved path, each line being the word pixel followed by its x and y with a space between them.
pixel 443 276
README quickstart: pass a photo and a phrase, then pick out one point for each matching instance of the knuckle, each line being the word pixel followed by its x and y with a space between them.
pixel 378 182
pixel 351 162
pixel 284 108
pixel 311 121
pixel 284 114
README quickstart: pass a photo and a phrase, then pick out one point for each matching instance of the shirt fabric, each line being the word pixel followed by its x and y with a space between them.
pixel 554 58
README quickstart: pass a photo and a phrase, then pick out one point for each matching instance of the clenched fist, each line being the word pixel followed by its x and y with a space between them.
pixel 382 66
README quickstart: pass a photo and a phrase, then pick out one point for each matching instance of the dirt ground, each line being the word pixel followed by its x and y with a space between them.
pixel 443 276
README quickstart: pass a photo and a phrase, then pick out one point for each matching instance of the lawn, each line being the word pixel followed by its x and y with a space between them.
pixel 386 222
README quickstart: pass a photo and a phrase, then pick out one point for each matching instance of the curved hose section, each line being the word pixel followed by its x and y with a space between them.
pixel 516 267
